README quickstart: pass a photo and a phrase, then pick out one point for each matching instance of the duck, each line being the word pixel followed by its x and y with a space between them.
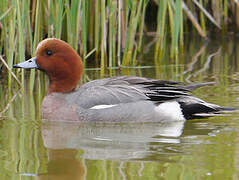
pixel 119 99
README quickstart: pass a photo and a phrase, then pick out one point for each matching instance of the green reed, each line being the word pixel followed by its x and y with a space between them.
pixel 109 30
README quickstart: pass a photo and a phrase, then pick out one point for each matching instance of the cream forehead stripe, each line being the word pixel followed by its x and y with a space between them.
pixel 43 42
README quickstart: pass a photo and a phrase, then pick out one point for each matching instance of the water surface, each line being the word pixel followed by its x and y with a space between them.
pixel 198 149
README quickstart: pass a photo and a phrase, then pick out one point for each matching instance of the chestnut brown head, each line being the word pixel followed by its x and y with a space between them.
pixel 61 63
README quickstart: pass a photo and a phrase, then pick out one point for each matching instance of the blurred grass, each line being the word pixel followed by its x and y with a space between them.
pixel 109 31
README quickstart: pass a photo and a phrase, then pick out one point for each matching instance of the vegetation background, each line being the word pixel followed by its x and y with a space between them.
pixel 109 32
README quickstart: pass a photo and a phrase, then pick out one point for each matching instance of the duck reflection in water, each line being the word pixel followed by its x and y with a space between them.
pixel 110 141
pixel 63 165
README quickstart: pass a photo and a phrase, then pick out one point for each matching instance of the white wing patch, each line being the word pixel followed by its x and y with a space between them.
pixel 170 111
pixel 103 106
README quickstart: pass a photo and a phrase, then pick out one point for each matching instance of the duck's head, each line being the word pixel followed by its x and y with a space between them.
pixel 61 63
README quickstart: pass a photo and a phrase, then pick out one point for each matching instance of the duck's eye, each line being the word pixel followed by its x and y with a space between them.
pixel 48 52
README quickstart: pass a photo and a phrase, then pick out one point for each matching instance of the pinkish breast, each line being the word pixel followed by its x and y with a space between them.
pixel 55 108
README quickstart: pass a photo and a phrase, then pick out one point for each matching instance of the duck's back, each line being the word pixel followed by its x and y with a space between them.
pixel 126 89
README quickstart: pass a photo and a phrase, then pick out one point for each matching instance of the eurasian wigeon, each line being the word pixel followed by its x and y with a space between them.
pixel 115 99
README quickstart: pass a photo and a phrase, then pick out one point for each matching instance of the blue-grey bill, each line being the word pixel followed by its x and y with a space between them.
pixel 29 64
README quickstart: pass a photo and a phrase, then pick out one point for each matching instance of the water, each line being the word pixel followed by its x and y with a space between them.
pixel 198 149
